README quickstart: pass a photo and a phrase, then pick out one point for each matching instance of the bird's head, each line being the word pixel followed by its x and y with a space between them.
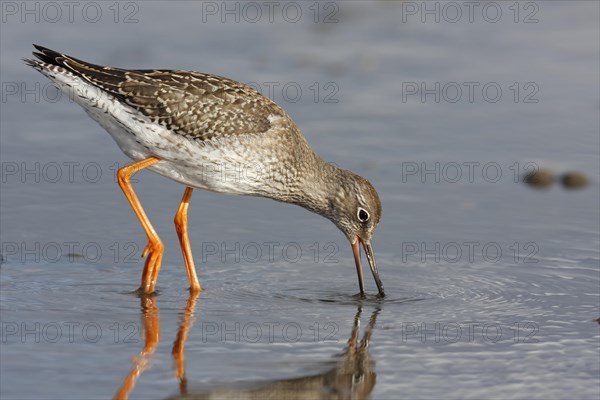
pixel 356 210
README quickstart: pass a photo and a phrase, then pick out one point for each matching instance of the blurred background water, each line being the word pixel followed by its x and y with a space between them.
pixel 493 287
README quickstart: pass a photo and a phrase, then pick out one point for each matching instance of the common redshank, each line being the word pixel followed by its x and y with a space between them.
pixel 185 124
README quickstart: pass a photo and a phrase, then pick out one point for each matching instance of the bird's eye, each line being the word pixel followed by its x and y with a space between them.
pixel 363 215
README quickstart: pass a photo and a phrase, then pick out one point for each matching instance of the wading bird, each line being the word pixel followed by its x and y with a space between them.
pixel 177 122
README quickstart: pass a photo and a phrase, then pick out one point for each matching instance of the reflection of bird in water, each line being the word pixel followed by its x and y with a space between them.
pixel 352 376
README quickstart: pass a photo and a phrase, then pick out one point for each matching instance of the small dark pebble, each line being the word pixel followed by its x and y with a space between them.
pixel 74 255
pixel 540 179
pixel 574 180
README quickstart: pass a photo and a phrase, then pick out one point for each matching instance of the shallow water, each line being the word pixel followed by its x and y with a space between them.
pixel 492 287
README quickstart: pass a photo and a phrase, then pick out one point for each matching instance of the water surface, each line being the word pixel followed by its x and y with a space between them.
pixel 492 287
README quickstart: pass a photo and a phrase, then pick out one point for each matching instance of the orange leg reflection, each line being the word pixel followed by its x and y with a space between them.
pixel 178 346
pixel 151 331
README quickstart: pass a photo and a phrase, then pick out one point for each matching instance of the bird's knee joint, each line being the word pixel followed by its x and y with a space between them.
pixel 179 221
pixel 178 229
pixel 122 176
pixel 159 246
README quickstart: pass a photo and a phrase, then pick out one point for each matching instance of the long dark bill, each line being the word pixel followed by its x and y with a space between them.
pixel 372 265
pixel 356 251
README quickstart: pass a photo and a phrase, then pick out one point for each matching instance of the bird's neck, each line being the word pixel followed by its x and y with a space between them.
pixel 321 187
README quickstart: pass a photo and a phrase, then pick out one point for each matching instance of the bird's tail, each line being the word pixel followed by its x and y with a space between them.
pixel 70 70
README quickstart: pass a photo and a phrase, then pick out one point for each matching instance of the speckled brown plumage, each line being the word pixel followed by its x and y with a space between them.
pixel 192 104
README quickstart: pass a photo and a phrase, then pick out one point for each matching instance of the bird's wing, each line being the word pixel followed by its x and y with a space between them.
pixel 193 104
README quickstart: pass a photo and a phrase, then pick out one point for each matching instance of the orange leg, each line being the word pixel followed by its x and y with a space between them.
pixel 182 231
pixel 155 247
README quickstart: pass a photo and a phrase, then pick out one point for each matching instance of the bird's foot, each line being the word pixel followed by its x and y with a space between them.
pixel 154 250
